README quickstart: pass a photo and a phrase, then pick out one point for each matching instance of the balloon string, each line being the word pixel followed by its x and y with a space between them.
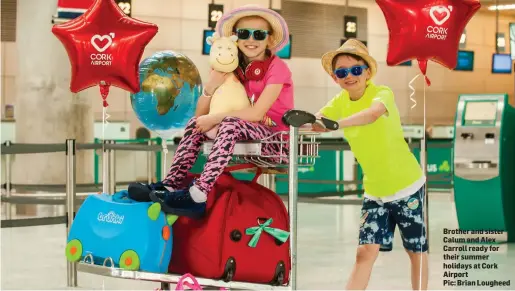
pixel 105 161
pixel 424 132
pixel 104 92
pixel 423 165
pixel 425 198
pixel 413 92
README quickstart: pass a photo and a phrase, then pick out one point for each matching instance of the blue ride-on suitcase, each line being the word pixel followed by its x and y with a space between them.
pixel 114 230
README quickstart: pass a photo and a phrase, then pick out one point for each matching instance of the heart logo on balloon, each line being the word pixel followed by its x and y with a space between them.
pixel 97 41
pixel 440 14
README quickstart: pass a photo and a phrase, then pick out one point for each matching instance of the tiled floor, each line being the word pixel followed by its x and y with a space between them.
pixel 33 257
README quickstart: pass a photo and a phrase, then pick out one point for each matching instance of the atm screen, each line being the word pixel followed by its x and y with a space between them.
pixel 479 112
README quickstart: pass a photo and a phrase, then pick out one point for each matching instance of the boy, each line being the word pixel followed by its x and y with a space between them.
pixel 393 180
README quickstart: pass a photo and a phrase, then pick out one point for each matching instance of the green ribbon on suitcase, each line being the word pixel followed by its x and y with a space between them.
pixel 256 231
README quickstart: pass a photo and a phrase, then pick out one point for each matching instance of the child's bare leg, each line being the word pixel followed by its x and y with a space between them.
pixel 419 268
pixel 365 258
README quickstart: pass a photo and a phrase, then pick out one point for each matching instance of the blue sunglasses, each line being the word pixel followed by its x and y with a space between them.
pixel 355 71
pixel 257 34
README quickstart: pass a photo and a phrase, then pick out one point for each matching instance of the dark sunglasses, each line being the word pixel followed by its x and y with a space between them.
pixel 355 71
pixel 258 34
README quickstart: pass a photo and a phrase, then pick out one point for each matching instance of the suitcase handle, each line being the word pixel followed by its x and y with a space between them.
pixel 259 171
pixel 122 197
pixel 261 219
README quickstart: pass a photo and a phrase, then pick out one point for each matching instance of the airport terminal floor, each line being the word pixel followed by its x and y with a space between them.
pixel 327 240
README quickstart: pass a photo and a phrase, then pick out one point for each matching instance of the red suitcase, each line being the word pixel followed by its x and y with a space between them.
pixel 217 246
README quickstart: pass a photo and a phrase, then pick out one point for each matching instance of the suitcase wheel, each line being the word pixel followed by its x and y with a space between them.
pixel 279 274
pixel 229 270
pixel 129 260
pixel 73 250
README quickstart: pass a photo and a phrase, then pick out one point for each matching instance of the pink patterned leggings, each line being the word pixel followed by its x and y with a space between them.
pixel 230 131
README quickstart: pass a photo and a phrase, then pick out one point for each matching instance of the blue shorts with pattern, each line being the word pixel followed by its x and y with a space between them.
pixel 379 219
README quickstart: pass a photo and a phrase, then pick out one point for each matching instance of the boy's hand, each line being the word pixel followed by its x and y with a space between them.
pixel 318 126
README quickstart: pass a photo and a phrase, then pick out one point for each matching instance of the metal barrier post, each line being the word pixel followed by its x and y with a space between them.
pixel 164 155
pixel 338 160
pixel 8 206
pixel 112 170
pixel 292 202
pixel 149 164
pixel 263 180
pixel 105 168
pixel 271 182
pixel 71 268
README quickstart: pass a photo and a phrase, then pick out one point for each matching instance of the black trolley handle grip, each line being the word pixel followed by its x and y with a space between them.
pixel 298 118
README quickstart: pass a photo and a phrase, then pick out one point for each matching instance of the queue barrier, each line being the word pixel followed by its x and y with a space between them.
pixel 9 149
pixel 327 177
pixel 319 181
pixel 108 147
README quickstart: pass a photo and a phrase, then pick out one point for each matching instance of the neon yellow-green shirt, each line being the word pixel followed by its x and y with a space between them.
pixel 387 162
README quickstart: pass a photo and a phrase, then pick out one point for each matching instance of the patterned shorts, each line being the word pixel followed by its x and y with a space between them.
pixel 379 219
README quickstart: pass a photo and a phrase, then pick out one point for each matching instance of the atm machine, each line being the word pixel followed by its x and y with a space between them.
pixel 484 163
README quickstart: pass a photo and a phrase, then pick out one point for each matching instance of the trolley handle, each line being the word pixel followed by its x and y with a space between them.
pixel 298 118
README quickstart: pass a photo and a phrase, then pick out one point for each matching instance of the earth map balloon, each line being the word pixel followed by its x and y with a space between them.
pixel 170 88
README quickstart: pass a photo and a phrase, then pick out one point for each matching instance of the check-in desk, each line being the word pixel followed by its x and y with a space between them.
pixel 439 158
pixel 438 154
pixel 484 163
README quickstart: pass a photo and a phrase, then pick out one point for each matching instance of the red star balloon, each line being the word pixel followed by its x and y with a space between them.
pixel 426 29
pixel 105 47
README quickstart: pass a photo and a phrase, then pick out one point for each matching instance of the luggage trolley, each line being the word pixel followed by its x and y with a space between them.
pixel 298 137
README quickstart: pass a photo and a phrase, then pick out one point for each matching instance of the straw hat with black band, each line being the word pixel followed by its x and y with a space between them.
pixel 280 34
pixel 353 47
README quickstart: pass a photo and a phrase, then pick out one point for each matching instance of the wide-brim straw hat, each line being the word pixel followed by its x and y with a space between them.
pixel 354 47
pixel 280 34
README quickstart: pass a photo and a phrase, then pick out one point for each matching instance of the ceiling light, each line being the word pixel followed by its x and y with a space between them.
pixel 502 7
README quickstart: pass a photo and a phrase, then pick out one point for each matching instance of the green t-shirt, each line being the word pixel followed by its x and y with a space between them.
pixel 379 147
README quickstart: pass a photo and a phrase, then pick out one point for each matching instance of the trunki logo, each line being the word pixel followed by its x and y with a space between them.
pixel 110 217
pixel 102 43
pixel 439 14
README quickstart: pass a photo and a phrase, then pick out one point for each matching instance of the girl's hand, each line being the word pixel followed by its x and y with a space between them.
pixel 206 122
pixel 216 79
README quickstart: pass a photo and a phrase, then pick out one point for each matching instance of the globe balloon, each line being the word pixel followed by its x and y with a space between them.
pixel 170 87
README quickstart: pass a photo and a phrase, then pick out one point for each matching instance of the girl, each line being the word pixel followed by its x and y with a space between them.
pixel 394 181
pixel 267 80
